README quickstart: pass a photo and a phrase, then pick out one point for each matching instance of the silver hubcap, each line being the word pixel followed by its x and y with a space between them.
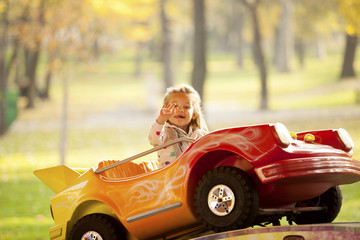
pixel 221 200
pixel 91 235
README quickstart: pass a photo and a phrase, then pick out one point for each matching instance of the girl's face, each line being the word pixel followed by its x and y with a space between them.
pixel 184 110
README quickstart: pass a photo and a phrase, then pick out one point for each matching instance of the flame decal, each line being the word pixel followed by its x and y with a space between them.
pixel 147 191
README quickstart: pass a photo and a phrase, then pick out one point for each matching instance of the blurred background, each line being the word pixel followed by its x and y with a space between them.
pixel 82 81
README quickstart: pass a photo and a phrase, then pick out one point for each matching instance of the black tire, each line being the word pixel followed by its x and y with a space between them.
pixel 331 199
pixel 226 199
pixel 97 225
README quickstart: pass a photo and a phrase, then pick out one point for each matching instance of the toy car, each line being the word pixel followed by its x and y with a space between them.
pixel 229 179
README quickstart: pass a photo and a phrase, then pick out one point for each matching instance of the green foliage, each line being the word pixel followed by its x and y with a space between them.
pixel 11 107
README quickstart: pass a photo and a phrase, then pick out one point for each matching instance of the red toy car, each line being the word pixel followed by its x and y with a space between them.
pixel 229 179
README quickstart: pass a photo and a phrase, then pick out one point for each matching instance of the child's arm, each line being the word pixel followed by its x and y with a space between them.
pixel 156 130
pixel 154 134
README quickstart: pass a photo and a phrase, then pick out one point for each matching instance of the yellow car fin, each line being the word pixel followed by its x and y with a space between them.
pixel 57 178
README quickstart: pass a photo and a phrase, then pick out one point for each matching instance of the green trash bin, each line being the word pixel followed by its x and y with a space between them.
pixel 11 111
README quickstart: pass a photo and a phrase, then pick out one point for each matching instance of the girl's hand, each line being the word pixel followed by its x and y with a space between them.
pixel 165 113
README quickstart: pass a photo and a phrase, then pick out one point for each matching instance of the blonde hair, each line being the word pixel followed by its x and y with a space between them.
pixel 198 122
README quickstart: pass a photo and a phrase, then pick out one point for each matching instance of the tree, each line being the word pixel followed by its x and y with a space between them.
pixel 350 10
pixel 314 20
pixel 347 70
pixel 258 51
pixel 138 14
pixel 33 19
pixel 52 59
pixel 166 46
pixel 29 22
pixel 239 22
pixel 3 74
pixel 284 43
pixel 199 57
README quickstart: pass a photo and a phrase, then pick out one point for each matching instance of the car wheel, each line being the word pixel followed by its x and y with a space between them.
pixel 226 199
pixel 96 227
pixel 331 200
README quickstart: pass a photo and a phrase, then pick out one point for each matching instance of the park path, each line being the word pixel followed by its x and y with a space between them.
pixel 217 115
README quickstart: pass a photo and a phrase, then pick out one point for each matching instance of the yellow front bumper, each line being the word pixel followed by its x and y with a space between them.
pixel 58 232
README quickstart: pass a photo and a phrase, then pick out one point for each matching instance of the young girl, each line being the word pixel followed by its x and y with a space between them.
pixel 180 116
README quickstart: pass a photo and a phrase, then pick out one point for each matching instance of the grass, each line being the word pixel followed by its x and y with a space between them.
pixel 99 87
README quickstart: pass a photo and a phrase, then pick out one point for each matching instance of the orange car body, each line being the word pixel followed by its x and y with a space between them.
pixel 151 202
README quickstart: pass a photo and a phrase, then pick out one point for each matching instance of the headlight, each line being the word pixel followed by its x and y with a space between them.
pixel 345 139
pixel 293 135
pixel 283 134
pixel 309 138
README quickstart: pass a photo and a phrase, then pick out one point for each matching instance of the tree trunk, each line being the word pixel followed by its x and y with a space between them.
pixel 348 70
pixel 138 59
pixel 64 118
pixel 258 53
pixel 284 49
pixel 166 47
pixel 199 58
pixel 320 49
pixel 300 52
pixel 44 93
pixel 239 21
pixel 277 46
pixel 3 75
pixel 32 59
pixel 31 62
pixel 13 58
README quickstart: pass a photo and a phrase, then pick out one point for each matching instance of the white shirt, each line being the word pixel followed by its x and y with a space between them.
pixel 160 134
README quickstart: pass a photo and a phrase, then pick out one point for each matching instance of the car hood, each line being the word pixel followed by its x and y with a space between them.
pixel 302 149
